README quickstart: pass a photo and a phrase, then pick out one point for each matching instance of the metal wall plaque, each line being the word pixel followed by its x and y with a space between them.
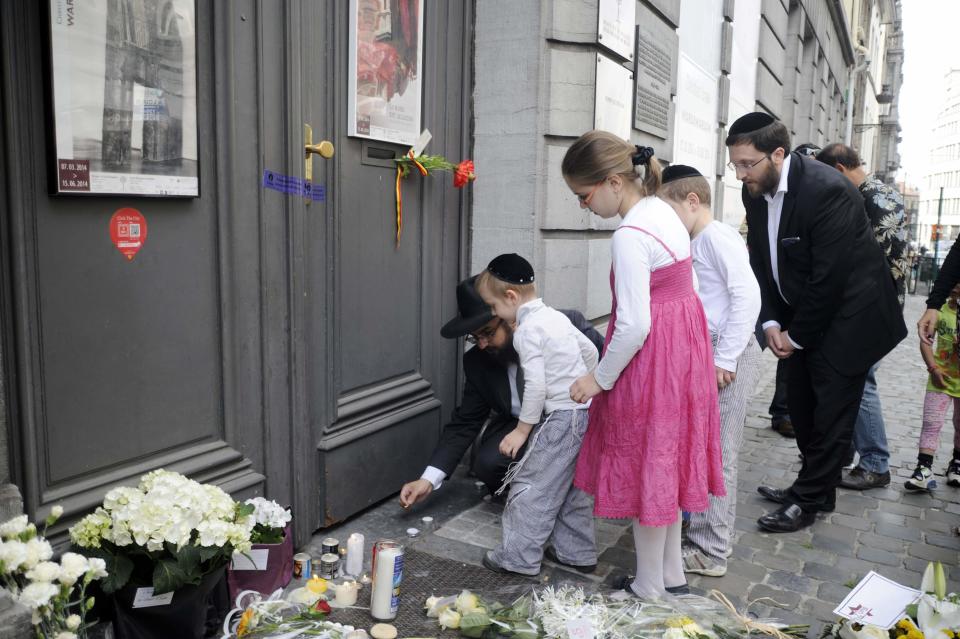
pixel 656 68
pixel 616 22
pixel 612 101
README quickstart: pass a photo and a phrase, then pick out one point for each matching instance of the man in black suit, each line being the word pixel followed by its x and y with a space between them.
pixel 489 393
pixel 829 302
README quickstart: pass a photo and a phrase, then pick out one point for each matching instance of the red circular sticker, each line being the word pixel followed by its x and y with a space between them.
pixel 128 231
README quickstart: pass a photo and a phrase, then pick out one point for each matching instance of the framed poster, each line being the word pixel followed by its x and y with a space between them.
pixel 616 22
pixel 613 101
pixel 385 78
pixel 123 78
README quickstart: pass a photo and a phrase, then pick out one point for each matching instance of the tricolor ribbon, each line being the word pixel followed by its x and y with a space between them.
pixel 399 190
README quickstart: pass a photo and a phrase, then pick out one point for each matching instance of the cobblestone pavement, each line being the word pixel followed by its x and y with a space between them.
pixel 887 530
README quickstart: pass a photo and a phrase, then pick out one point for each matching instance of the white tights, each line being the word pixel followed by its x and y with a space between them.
pixel 659 561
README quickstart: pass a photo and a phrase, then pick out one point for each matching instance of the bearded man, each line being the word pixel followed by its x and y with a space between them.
pixel 490 404
pixel 829 305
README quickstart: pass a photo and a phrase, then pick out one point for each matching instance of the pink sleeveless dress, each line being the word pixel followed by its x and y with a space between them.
pixel 653 443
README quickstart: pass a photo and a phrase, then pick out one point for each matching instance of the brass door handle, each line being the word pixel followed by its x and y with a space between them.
pixel 324 148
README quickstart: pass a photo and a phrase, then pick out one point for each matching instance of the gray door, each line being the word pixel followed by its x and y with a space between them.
pixel 379 380
pixel 258 340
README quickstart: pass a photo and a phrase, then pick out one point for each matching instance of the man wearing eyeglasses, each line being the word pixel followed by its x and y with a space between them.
pixel 490 396
pixel 829 306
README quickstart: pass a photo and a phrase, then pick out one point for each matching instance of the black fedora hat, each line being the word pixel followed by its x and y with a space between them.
pixel 473 312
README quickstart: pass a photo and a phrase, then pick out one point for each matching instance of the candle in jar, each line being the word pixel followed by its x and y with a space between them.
pixel 354 555
pixel 345 593
pixel 388 571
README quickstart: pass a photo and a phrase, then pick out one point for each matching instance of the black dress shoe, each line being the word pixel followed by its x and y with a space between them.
pixel 787 518
pixel 626 583
pixel 862 479
pixel 551 554
pixel 490 564
pixel 779 495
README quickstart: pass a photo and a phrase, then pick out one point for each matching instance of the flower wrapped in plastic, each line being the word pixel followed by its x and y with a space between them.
pixel 936 615
pixel 565 612
pixel 54 592
pixel 167 531
pixel 275 618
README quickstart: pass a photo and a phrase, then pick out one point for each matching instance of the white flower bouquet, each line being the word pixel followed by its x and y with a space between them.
pixel 169 531
pixel 54 592
pixel 271 519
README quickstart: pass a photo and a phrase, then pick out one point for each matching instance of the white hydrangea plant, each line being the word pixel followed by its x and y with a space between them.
pixel 54 592
pixel 170 530
pixel 271 518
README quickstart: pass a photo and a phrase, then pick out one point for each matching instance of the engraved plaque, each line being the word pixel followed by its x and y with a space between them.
pixel 655 76
pixel 612 103
pixel 615 26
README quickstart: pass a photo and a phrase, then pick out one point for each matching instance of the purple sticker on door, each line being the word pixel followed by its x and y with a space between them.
pixel 293 185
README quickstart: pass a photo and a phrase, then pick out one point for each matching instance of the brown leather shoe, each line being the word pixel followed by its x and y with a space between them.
pixel 783 426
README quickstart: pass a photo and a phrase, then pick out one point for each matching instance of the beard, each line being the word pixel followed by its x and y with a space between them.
pixel 766 183
pixel 506 354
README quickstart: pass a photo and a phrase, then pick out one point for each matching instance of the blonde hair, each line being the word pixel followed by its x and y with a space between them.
pixel 597 155
pixel 677 190
pixel 498 288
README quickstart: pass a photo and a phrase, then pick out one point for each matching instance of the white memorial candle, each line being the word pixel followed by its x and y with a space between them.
pixel 354 555
pixel 382 597
pixel 346 593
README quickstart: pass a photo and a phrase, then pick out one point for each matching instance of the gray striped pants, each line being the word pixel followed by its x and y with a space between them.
pixel 543 506
pixel 711 530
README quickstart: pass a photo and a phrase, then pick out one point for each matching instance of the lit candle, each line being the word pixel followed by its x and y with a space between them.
pixel 354 555
pixel 345 593
pixel 317 585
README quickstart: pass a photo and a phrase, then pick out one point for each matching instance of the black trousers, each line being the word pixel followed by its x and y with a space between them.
pixel 488 464
pixel 779 409
pixel 823 408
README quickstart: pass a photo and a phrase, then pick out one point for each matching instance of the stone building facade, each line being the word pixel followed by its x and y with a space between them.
pixel 542 69
pixel 943 172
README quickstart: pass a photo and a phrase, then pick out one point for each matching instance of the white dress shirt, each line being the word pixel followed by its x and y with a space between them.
pixel 728 290
pixel 774 210
pixel 553 354
pixel 436 476
pixel 635 255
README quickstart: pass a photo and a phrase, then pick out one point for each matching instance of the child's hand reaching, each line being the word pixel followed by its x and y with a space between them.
pixel 513 442
pixel 585 388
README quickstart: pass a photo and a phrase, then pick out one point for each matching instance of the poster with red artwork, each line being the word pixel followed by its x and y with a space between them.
pixel 128 231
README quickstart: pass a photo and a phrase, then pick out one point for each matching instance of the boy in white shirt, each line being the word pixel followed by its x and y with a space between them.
pixel 542 505
pixel 730 295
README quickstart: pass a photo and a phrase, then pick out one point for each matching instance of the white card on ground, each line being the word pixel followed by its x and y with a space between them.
pixel 255 559
pixel 580 628
pixel 877 601
pixel 146 599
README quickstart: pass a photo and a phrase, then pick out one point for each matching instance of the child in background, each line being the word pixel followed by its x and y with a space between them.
pixel 731 300
pixel 543 506
pixel 943 389
pixel 653 446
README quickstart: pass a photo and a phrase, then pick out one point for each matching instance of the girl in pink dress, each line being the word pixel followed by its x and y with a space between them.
pixel 653 444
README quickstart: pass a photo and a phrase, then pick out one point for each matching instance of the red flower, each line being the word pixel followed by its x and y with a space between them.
pixel 322 606
pixel 463 173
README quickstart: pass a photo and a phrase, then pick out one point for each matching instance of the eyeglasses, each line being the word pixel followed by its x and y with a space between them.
pixel 485 334
pixel 746 166
pixel 585 199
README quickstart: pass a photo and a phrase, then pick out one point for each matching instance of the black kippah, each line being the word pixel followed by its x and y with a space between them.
pixel 643 155
pixel 751 122
pixel 511 268
pixel 678 172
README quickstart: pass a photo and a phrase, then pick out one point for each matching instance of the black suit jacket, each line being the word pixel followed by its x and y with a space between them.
pixel 840 296
pixel 486 393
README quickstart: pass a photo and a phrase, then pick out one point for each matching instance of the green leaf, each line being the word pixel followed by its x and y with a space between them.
pixel 208 552
pixel 188 560
pixel 244 510
pixel 167 576
pixel 119 569
pixel 912 610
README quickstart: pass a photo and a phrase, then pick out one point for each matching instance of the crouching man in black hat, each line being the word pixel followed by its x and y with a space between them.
pixel 489 392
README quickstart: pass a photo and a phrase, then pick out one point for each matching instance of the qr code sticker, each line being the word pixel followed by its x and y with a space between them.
pixel 134 230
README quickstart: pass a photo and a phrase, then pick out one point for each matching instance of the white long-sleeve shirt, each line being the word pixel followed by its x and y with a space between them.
pixel 728 290
pixel 635 254
pixel 553 354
